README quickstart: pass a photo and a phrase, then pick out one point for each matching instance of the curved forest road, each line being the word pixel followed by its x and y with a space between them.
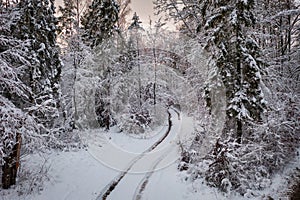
pixel 135 174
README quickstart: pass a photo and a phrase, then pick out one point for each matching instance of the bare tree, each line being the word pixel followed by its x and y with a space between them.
pixel 124 12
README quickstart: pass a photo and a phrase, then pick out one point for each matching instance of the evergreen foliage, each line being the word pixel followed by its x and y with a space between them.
pixel 37 23
pixel 250 49
pixel 99 21
pixel 236 57
pixel 67 19
pixel 135 23
pixel 16 96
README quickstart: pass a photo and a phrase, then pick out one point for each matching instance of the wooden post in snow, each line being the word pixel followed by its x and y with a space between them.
pixel 11 165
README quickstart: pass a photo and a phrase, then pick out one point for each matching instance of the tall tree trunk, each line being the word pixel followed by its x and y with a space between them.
pixel 239 130
pixel 239 73
pixel 139 72
pixel 154 85
pixel 75 117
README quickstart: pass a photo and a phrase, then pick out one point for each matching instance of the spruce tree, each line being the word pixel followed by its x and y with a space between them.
pixel 99 21
pixel 15 97
pixel 98 24
pixel 237 58
pixel 67 19
pixel 135 24
pixel 37 23
pixel 135 27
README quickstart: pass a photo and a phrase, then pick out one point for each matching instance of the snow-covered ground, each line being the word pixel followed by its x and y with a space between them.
pixel 152 175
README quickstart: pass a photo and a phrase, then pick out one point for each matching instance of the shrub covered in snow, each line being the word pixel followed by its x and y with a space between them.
pixel 249 166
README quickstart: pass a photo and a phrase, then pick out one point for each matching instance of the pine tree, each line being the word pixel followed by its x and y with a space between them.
pixel 237 58
pixel 99 21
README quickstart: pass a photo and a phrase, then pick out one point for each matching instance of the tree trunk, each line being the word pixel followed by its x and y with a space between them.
pixel 139 71
pixel 239 68
pixel 239 130
pixel 154 85
pixel 11 165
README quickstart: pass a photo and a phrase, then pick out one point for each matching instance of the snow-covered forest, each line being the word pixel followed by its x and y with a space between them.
pixel 96 104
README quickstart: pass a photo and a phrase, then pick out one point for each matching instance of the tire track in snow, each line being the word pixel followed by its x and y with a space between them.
pixel 142 185
pixel 112 185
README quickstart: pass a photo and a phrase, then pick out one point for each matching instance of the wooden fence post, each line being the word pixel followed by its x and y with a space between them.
pixel 11 165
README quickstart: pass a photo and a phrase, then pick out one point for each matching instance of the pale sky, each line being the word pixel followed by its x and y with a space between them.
pixel 144 9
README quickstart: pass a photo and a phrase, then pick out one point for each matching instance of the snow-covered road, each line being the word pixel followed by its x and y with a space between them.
pixel 130 183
